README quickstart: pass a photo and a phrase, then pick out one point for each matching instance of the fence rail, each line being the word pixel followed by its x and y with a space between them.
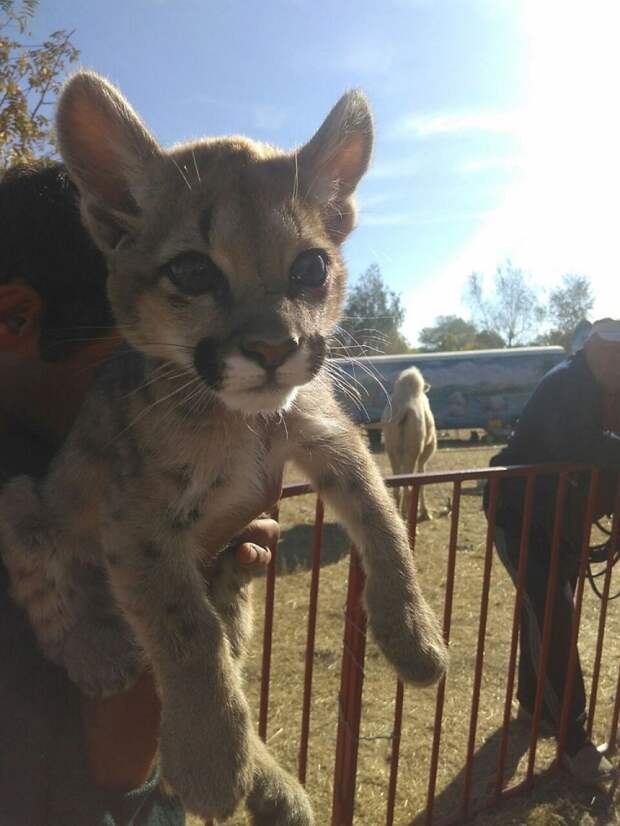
pixel 350 698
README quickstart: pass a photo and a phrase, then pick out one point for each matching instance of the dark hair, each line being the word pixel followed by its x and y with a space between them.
pixel 44 245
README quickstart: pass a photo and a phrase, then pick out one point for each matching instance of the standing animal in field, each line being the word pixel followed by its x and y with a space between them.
pixel 226 279
pixel 409 433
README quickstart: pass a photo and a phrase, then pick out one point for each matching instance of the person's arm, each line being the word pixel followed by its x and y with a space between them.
pixel 564 415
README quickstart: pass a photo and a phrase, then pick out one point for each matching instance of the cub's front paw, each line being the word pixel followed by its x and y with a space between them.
pixel 277 798
pixel 101 656
pixel 408 633
pixel 205 751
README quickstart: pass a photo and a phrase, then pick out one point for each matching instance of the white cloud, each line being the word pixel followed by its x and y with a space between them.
pixel 373 200
pixel 452 123
pixel 477 165
pixel 386 219
pixel 419 217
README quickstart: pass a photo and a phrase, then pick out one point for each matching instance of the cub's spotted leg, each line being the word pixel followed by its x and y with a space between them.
pixel 331 451
pixel 100 652
pixel 206 725
pixel 277 798
pixel 31 548
pixel 229 589
pixel 66 597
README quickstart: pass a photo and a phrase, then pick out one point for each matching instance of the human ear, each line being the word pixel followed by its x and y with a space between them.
pixel 21 309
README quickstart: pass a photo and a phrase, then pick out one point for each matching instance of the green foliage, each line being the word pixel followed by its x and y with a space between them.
pixel 569 304
pixel 373 316
pixel 30 78
pixel 512 308
pixel 453 333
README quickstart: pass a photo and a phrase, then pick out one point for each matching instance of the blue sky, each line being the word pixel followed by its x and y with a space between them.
pixel 497 133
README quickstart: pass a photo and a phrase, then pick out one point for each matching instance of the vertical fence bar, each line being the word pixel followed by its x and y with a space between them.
pixel 596 670
pixel 516 621
pixel 612 742
pixel 572 658
pixel 412 521
pixel 267 640
pixel 398 703
pixel 395 756
pixel 310 637
pixel 482 627
pixel 547 621
pixel 447 619
pixel 350 699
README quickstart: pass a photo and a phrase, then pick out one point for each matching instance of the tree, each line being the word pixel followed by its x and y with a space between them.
pixel 512 309
pixel 569 304
pixel 453 333
pixel 372 318
pixel 30 78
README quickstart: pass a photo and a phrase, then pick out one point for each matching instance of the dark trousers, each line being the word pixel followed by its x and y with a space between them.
pixel 508 543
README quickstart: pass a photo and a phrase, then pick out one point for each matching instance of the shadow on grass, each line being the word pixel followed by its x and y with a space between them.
pixel 295 547
pixel 448 801
pixel 555 798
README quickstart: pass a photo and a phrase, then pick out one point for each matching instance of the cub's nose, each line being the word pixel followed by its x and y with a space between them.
pixel 270 354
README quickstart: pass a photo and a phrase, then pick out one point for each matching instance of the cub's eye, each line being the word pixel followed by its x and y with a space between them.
pixel 193 274
pixel 309 269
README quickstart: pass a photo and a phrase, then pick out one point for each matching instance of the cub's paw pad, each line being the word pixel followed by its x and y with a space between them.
pixel 102 657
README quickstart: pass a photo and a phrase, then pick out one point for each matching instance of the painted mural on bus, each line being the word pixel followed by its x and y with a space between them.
pixel 484 389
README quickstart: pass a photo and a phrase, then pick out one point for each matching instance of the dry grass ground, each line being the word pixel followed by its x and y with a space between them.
pixel 554 802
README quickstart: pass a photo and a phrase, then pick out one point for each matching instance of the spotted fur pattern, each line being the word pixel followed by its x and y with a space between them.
pixel 226 279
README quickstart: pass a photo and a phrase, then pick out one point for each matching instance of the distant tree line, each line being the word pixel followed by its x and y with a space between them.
pixel 514 309
pixel 509 312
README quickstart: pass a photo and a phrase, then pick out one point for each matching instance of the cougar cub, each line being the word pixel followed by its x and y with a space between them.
pixel 225 278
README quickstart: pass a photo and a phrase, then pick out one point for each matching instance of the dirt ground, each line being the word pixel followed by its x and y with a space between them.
pixel 554 801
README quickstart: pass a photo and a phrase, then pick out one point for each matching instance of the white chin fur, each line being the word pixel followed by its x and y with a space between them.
pixel 259 401
pixel 243 388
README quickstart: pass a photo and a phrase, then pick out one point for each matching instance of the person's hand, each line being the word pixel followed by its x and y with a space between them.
pixel 121 732
pixel 255 542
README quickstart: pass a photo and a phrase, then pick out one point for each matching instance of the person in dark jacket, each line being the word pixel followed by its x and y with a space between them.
pixel 572 416
pixel 66 760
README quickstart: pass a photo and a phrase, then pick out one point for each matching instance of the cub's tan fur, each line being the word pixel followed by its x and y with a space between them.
pixel 409 432
pixel 226 277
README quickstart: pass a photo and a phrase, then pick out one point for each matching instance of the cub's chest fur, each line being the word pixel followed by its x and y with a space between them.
pixel 213 476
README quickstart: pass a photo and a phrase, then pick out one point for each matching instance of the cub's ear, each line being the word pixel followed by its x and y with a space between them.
pixel 106 147
pixel 331 164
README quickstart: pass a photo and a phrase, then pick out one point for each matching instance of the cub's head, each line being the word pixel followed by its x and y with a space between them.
pixel 224 254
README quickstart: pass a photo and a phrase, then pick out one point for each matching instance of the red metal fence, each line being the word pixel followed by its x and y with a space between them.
pixel 350 699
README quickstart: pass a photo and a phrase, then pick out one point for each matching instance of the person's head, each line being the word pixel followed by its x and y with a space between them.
pixel 602 349
pixel 52 277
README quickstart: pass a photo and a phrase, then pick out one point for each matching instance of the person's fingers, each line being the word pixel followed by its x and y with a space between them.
pixel 263 532
pixel 249 554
